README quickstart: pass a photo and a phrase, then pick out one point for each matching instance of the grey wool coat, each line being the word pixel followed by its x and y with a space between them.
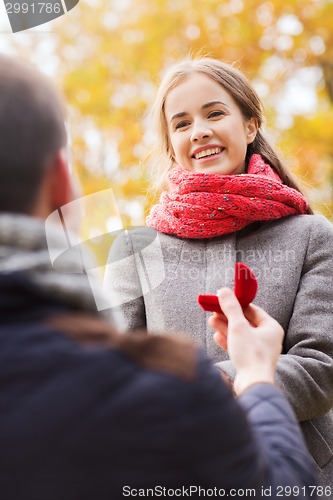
pixel 153 280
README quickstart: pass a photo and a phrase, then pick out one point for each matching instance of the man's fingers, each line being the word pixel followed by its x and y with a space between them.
pixel 257 317
pixel 221 339
pixel 218 321
pixel 230 306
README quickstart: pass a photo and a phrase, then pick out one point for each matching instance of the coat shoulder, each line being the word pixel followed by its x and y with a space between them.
pixel 131 241
pixel 299 228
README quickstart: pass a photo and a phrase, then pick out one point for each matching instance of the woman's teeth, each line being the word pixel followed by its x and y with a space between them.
pixel 207 152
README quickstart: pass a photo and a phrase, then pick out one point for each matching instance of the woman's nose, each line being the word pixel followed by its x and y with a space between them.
pixel 200 131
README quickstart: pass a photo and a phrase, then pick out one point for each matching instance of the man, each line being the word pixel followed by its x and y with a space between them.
pixel 86 413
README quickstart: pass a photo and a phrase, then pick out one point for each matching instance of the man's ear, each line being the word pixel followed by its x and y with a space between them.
pixel 55 189
pixel 59 181
pixel 252 129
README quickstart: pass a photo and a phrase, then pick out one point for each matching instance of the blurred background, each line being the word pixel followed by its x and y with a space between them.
pixel 108 56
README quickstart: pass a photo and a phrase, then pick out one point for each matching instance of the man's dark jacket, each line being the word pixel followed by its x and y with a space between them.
pixel 87 414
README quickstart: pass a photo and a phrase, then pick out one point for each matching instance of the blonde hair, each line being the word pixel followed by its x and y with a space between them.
pixel 238 87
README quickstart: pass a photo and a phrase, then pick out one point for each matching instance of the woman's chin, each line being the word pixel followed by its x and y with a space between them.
pixel 205 168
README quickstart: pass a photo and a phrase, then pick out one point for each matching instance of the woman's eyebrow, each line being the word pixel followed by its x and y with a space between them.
pixel 179 115
pixel 213 103
pixel 204 106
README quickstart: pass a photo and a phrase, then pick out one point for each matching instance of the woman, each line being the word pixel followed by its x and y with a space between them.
pixel 229 198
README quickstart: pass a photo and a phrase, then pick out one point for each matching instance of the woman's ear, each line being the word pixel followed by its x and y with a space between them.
pixel 171 154
pixel 252 129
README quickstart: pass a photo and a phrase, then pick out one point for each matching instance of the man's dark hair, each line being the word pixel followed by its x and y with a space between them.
pixel 32 131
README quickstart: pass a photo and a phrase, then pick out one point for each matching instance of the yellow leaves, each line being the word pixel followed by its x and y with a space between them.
pixel 311 142
pixel 84 90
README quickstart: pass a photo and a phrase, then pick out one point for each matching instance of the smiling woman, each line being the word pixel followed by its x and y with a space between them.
pixel 228 197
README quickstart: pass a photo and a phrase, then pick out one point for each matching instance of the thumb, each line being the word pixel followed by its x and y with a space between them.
pixel 230 306
pixel 255 315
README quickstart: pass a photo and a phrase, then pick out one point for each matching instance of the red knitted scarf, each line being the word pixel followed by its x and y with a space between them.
pixel 202 205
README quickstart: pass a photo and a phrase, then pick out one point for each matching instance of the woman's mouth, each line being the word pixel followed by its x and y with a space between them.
pixel 207 153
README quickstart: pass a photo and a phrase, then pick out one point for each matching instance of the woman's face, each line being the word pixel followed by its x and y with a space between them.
pixel 206 128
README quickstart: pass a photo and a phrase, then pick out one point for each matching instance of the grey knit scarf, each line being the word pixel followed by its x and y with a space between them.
pixel 26 246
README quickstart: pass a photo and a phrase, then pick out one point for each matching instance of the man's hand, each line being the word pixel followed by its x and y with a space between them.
pixel 252 338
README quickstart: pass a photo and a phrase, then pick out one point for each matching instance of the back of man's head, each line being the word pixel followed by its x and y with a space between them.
pixel 32 131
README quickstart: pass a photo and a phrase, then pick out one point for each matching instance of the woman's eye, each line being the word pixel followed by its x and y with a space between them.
pixel 215 114
pixel 182 124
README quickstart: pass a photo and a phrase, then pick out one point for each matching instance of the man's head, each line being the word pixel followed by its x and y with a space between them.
pixel 32 140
